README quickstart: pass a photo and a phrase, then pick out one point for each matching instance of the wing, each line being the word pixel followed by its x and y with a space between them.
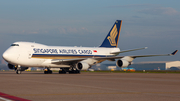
pixel 72 61
pixel 66 61
pixel 136 56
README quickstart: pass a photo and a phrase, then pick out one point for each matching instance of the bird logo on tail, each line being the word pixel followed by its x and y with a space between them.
pixel 112 36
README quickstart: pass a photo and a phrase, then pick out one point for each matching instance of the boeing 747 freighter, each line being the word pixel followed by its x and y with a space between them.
pixel 22 55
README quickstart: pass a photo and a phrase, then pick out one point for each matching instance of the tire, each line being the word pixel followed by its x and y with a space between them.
pixel 62 72
pixel 45 72
pixel 50 72
pixel 18 72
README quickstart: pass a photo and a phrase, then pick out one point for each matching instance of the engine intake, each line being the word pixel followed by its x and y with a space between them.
pixel 18 68
pixel 11 66
pixel 82 66
pixel 122 63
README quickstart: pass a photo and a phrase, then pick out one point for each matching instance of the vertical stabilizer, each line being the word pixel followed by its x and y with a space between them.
pixel 112 38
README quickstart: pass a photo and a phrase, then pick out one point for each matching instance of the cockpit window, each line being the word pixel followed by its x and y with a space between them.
pixel 15 45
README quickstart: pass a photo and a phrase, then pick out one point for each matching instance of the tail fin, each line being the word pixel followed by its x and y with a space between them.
pixel 112 38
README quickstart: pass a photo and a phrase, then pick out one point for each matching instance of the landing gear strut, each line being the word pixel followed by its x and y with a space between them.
pixel 18 69
pixel 74 70
pixel 47 71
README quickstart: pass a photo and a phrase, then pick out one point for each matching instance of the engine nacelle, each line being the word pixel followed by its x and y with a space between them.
pixel 19 68
pixel 11 66
pixel 82 66
pixel 122 63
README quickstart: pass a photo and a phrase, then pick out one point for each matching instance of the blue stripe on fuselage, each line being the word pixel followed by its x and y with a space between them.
pixel 52 56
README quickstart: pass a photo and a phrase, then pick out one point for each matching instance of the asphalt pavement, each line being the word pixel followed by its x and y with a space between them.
pixel 88 86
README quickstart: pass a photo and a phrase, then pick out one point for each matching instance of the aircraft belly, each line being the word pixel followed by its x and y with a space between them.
pixel 48 63
pixel 55 66
pixel 59 66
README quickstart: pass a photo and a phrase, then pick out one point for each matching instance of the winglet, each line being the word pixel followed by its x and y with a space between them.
pixel 174 52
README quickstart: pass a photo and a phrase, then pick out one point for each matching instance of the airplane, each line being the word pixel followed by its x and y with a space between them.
pixel 21 55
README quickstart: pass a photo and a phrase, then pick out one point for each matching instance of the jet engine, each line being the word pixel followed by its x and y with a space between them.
pixel 18 68
pixel 82 66
pixel 11 66
pixel 122 63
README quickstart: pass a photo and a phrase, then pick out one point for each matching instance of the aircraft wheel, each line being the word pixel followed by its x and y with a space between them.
pixel 62 72
pixel 48 72
pixel 74 72
pixel 71 72
pixel 45 72
pixel 78 71
pixel 18 72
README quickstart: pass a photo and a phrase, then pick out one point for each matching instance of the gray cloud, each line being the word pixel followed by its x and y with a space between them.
pixel 67 30
pixel 160 11
pixel 52 30
pixel 3 62
pixel 131 6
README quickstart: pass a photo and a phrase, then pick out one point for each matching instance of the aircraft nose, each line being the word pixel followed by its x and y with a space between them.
pixel 6 56
pixel 11 54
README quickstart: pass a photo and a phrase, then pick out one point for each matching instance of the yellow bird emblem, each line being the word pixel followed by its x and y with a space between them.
pixel 112 36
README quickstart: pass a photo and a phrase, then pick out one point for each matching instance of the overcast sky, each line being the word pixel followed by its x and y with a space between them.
pixel 146 23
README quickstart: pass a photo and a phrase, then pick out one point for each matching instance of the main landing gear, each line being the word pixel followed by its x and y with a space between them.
pixel 74 71
pixel 47 71
pixel 71 71
pixel 63 71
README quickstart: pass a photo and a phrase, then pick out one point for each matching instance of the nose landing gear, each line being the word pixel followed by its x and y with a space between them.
pixel 18 71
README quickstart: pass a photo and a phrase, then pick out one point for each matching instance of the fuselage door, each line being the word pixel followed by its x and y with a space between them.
pixel 29 55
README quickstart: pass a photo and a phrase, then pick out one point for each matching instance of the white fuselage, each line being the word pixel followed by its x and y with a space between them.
pixel 28 54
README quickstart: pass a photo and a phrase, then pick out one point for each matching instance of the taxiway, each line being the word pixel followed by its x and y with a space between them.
pixel 37 86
